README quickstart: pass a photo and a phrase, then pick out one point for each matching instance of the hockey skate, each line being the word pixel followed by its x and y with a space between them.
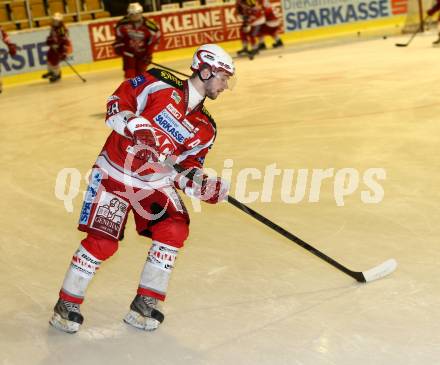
pixel 54 78
pixel 253 53
pixel 262 46
pixel 144 313
pixel 243 52
pixel 67 316
pixel 47 75
pixel 278 43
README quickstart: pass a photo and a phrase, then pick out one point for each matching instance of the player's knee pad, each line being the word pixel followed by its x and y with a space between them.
pixel 101 248
pixel 172 231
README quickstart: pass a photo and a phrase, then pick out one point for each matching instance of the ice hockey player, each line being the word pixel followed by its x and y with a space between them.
pixel 12 49
pixel 242 10
pixel 153 116
pixel 136 37
pixel 253 19
pixel 271 27
pixel 434 9
pixel 59 47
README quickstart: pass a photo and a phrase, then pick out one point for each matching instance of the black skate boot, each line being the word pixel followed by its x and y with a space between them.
pixel 278 43
pixel 252 53
pixel 262 46
pixel 47 75
pixel 66 316
pixel 144 313
pixel 437 42
pixel 243 52
pixel 54 78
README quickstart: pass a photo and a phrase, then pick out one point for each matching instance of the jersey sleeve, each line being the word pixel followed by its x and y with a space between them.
pixel 123 104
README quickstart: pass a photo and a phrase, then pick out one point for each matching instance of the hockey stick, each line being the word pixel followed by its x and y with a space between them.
pixel 74 70
pixel 170 69
pixel 419 29
pixel 372 274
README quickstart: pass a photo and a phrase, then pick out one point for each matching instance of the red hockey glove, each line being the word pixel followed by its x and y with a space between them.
pixel 12 49
pixel 211 190
pixel 119 48
pixel 433 10
pixel 147 58
pixel 141 132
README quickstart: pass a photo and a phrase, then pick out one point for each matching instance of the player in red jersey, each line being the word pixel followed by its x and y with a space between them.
pixel 59 47
pixel 12 49
pixel 155 117
pixel 136 37
pixel 271 27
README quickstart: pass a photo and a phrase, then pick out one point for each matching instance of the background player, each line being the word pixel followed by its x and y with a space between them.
pixel 434 9
pixel 59 47
pixel 136 37
pixel 12 49
pixel 153 116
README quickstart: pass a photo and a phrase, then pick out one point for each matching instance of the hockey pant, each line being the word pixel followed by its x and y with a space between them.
pixel 161 215
pixel 53 61
pixel 133 66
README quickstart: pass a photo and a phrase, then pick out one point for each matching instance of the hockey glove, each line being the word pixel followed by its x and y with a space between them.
pixel 211 190
pixel 12 48
pixel 145 142
pixel 147 58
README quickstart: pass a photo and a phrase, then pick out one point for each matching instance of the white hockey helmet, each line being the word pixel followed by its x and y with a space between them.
pixel 214 56
pixel 57 17
pixel 134 9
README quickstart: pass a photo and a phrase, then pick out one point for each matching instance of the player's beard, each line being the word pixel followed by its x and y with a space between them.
pixel 212 93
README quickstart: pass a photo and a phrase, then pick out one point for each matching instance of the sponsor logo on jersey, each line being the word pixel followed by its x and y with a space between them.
pixel 188 125
pixel 113 98
pixel 91 192
pixel 171 126
pixel 110 214
pixel 174 111
pixel 136 81
pixel 175 96
pixel 201 160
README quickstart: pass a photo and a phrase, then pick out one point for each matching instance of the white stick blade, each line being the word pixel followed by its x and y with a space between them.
pixel 380 271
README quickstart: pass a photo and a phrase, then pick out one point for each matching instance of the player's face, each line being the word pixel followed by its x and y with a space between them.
pixel 135 17
pixel 217 84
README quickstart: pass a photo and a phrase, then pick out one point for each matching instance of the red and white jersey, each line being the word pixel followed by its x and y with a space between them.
pixel 137 38
pixel 271 19
pixel 256 15
pixel 162 99
pixel 59 37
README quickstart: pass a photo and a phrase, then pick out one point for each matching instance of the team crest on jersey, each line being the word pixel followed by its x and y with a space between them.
pixel 136 81
pixel 175 96
pixel 171 126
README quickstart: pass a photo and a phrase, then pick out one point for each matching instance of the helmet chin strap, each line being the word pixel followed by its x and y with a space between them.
pixel 200 75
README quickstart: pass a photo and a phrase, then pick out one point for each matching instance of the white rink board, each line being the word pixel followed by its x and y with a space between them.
pixel 240 293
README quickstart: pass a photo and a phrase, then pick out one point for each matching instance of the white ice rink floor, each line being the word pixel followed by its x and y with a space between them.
pixel 240 293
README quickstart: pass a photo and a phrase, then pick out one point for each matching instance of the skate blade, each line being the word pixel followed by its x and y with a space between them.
pixel 144 323
pixel 63 324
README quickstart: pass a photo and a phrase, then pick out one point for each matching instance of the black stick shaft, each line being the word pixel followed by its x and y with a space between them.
pixel 191 174
pixel 290 236
pixel 170 69
pixel 74 70
pixel 419 29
